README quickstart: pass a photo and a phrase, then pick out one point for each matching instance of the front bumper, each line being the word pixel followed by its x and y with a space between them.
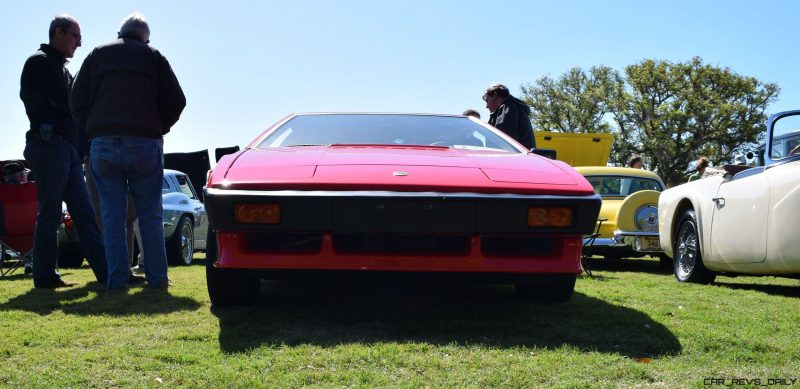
pixel 400 231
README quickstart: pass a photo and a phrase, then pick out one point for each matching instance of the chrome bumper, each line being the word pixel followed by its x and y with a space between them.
pixel 638 241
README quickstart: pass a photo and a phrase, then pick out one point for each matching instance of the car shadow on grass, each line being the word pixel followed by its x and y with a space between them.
pixel 292 313
pixel 92 299
pixel 774 290
pixel 634 265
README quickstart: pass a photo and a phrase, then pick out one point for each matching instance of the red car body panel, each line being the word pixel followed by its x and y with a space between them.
pixel 428 168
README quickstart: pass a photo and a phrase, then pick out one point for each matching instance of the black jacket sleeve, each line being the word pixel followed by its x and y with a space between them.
pixel 171 99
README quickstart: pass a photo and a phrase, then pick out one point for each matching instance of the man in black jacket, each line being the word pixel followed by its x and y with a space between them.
pixel 509 115
pixel 127 98
pixel 51 152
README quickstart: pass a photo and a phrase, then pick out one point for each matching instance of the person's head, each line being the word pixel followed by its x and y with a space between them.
pixel 134 26
pixel 15 173
pixel 65 34
pixel 495 95
pixel 473 113
pixel 635 163
pixel 702 164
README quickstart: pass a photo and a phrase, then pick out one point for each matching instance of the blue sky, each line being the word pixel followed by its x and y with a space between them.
pixel 246 64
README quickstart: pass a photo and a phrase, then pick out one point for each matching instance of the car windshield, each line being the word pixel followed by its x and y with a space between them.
pixel 619 186
pixel 385 129
pixel 785 136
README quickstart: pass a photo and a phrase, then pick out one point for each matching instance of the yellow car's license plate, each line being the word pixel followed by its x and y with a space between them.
pixel 648 243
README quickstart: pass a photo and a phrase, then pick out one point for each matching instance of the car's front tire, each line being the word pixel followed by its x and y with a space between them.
pixel 556 288
pixel 688 264
pixel 180 248
pixel 228 287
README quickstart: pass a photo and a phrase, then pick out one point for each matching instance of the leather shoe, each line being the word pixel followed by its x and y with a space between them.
pixel 55 283
pixel 160 286
pixel 135 279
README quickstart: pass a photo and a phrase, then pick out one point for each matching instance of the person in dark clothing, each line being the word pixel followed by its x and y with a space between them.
pixel 51 151
pixel 127 98
pixel 509 114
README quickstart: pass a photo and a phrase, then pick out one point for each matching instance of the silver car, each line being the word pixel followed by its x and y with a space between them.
pixel 185 224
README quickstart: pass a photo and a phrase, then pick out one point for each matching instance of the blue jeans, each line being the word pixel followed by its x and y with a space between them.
pixel 59 178
pixel 123 165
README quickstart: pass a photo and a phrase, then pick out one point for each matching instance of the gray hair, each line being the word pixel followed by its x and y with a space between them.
pixel 62 21
pixel 135 26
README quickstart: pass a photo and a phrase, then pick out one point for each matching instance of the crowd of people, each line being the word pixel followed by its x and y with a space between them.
pixel 107 123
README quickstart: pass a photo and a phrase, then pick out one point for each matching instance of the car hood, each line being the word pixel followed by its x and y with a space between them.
pixel 402 168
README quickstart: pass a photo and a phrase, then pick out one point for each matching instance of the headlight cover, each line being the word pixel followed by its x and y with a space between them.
pixel 646 218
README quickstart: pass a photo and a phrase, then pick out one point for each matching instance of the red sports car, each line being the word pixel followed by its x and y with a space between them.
pixel 402 193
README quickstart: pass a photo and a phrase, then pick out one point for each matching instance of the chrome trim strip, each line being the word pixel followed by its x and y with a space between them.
pixel 600 242
pixel 634 233
pixel 366 193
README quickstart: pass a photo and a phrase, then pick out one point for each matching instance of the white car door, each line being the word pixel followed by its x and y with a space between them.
pixel 739 222
pixel 783 247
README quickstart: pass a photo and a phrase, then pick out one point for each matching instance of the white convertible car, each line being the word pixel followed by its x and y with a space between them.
pixel 743 220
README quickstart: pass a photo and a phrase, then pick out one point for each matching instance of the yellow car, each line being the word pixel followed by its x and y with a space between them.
pixel 628 221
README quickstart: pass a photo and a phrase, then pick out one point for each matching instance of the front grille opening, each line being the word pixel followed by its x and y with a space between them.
pixel 518 247
pixel 400 244
pixel 284 242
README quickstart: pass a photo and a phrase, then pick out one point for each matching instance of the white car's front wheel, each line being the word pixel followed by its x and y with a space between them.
pixel 688 264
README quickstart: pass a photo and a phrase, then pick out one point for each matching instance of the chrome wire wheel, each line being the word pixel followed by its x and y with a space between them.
pixel 686 251
pixel 187 243
pixel 689 266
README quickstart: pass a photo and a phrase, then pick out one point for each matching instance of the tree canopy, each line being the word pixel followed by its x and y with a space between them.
pixel 669 113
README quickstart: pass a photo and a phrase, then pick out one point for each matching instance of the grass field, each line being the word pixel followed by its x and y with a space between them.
pixel 630 325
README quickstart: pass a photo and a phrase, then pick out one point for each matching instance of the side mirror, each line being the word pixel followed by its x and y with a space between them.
pixel 548 153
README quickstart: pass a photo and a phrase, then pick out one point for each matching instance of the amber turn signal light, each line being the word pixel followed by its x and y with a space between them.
pixel 549 217
pixel 257 213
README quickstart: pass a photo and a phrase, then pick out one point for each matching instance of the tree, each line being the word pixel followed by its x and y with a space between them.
pixel 577 102
pixel 686 110
pixel 671 113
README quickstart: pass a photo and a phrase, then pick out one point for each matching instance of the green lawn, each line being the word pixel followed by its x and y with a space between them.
pixel 629 325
